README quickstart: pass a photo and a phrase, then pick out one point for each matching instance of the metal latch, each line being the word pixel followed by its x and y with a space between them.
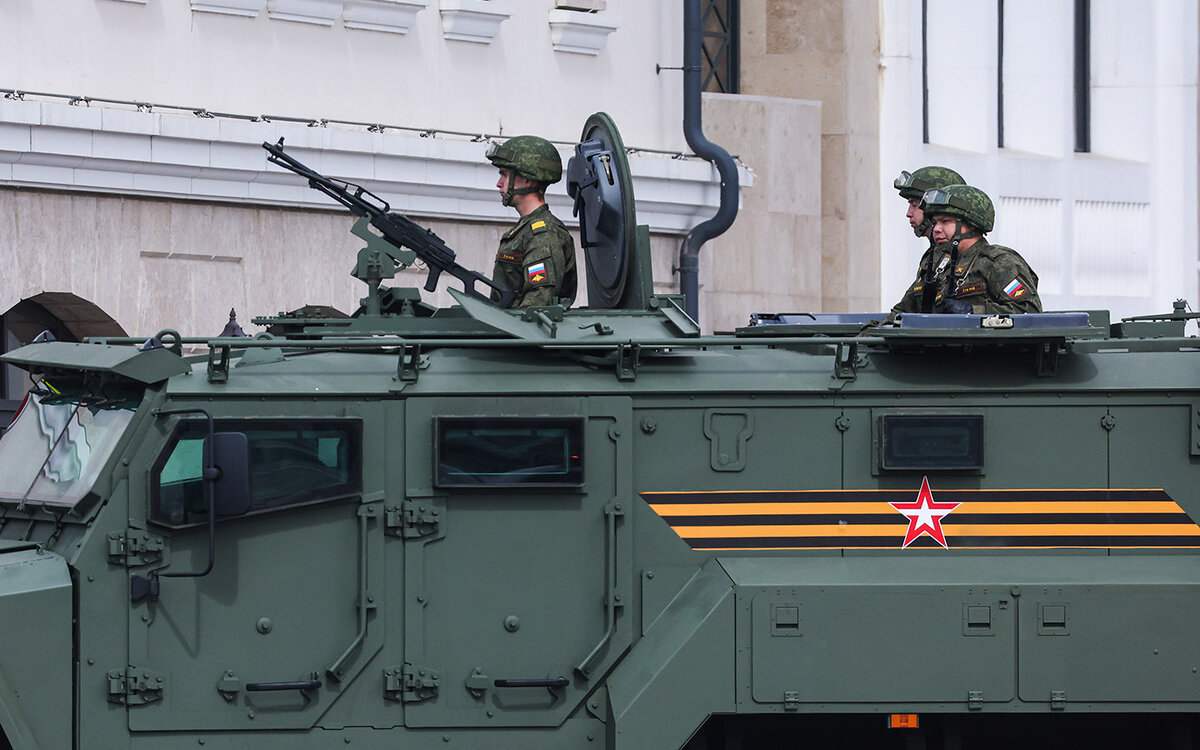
pixel 996 321
pixel 1058 700
pixel 628 358
pixel 410 683
pixel 412 519
pixel 791 700
pixel 409 365
pixel 218 364
pixel 975 700
pixel 846 361
pixel 133 686
pixel 133 547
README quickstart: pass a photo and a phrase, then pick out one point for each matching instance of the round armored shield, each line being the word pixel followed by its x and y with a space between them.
pixel 598 179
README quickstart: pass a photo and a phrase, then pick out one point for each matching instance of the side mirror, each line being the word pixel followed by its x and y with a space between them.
pixel 231 489
pixel 226 493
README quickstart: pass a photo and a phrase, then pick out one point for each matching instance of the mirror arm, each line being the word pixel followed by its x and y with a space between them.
pixel 148 588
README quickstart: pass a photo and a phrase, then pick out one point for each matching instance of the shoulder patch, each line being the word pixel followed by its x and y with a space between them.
pixel 536 273
pixel 1015 289
pixel 538 226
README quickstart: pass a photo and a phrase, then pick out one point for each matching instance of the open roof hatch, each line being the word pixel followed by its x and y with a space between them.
pixel 616 250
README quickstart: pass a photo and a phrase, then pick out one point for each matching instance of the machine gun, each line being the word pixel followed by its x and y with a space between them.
pixel 397 229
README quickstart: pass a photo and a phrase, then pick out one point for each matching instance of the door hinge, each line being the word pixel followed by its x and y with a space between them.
pixel 410 683
pixel 412 519
pixel 134 547
pixel 133 686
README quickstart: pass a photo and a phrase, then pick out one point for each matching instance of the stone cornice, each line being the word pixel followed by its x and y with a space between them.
pixel 63 147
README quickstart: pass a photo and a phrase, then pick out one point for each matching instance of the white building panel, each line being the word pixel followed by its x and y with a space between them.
pixel 1112 258
pixel 1038 86
pixel 962 68
pixel 1034 228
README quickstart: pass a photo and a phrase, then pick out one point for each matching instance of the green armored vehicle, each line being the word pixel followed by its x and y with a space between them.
pixel 596 528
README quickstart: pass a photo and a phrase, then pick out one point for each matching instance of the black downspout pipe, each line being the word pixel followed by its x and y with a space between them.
pixel 689 256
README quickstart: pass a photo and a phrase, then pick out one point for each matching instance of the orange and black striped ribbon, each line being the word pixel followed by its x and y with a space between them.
pixel 850 519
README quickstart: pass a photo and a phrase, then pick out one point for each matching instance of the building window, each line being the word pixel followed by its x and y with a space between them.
pixel 1083 70
pixel 719 63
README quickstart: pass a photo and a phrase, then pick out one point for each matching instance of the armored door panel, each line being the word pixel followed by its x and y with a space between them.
pixel 1036 444
pixel 876 644
pixel 737 447
pixel 284 623
pixel 266 614
pixel 518 604
pixel 1156 447
pixel 1110 643
pixel 1025 445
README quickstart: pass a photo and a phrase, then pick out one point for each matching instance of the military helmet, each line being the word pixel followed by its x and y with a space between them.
pixel 531 157
pixel 914 184
pixel 963 201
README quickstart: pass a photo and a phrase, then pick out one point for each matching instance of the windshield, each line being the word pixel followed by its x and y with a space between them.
pixel 52 453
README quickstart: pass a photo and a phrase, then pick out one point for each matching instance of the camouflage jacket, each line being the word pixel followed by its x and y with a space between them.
pixel 537 260
pixel 990 278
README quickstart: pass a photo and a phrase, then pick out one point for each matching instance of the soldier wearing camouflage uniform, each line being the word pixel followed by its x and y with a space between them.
pixel 536 258
pixel 912 187
pixel 963 272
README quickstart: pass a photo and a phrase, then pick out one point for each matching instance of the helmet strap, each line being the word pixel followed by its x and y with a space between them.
pixel 512 192
pixel 959 234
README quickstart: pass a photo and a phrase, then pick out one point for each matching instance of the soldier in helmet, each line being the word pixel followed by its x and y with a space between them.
pixel 536 258
pixel 964 273
pixel 912 186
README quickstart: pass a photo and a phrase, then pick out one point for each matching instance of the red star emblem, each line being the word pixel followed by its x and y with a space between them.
pixel 925 516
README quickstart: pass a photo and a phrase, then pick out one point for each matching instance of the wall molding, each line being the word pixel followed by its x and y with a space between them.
pixel 475 21
pixel 581 33
pixel 392 16
pixel 245 8
pixel 318 12
pixel 182 157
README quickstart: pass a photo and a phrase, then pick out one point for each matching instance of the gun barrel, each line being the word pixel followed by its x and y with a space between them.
pixel 397 229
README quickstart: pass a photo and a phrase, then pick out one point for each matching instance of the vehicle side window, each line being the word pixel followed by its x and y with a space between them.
pixel 509 451
pixel 291 463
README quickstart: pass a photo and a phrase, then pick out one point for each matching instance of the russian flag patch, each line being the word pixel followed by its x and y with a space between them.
pixel 1015 289
pixel 536 273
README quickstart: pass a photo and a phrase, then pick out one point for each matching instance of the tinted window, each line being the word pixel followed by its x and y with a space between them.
pixel 291 462
pixel 509 451
pixel 942 441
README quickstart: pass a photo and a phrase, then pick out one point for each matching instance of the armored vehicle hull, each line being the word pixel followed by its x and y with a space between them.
pixel 572 529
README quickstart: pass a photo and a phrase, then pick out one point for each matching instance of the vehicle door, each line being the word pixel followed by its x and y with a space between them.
pixel 515 599
pixel 282 625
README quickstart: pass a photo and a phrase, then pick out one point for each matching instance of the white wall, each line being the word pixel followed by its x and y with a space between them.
pixel 165 52
pixel 1115 228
